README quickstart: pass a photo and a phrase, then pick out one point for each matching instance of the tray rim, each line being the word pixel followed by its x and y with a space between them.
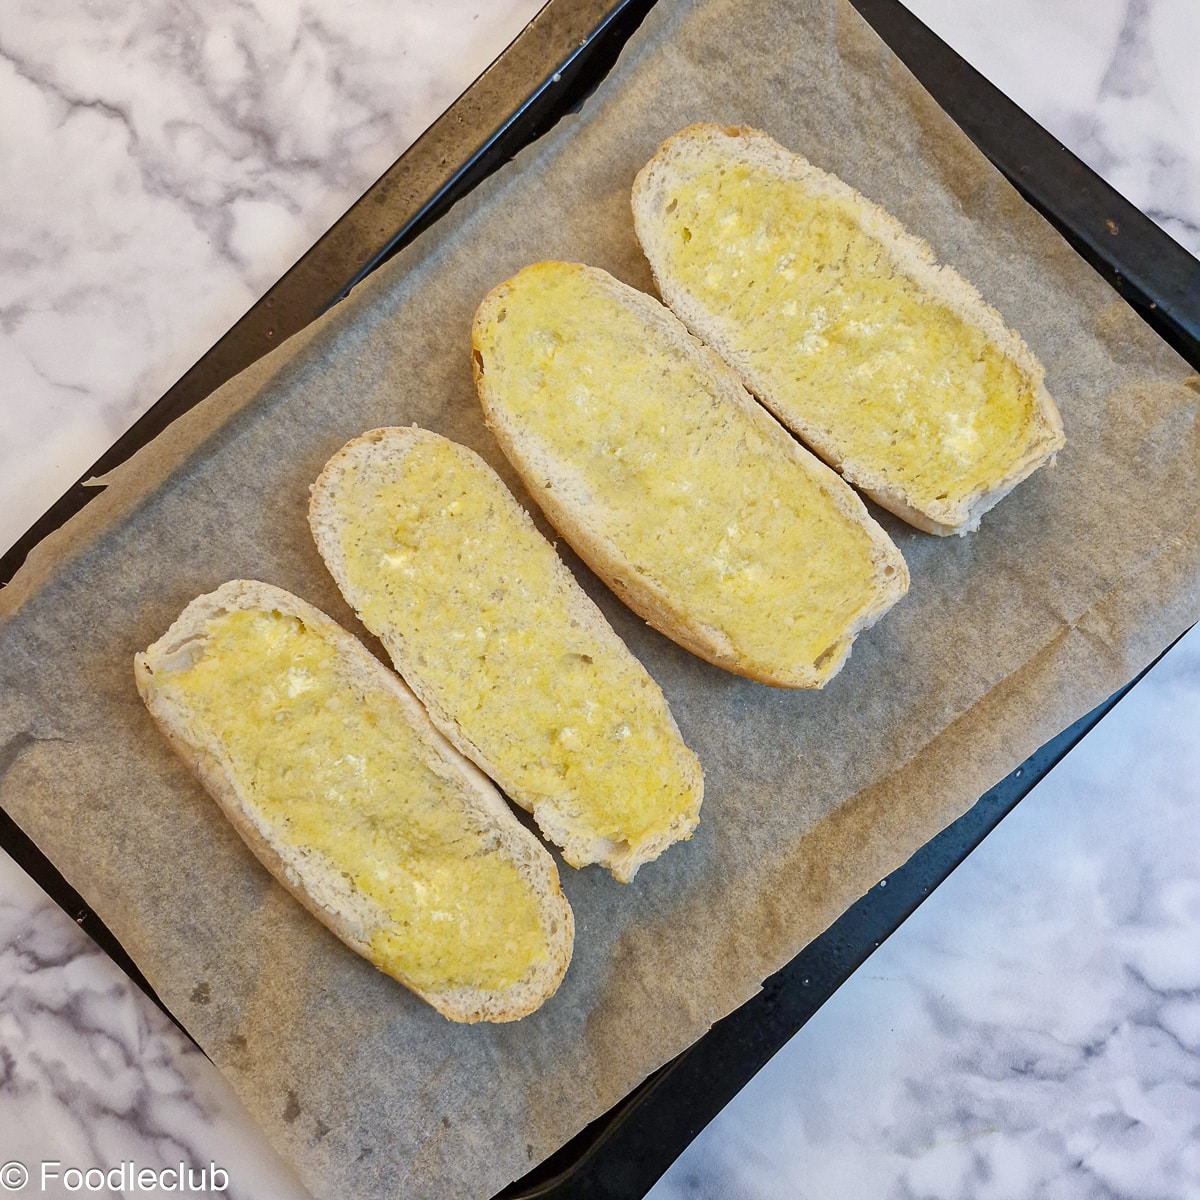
pixel 1151 271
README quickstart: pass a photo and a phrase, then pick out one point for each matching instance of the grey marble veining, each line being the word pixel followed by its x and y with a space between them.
pixel 163 164
pixel 1114 80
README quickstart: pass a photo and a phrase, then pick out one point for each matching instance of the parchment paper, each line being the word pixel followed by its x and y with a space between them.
pixel 1008 635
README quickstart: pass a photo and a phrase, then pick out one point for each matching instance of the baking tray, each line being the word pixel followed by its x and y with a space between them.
pixel 549 71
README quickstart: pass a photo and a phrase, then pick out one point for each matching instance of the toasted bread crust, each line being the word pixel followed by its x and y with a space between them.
pixel 353 917
pixel 665 611
pixel 385 449
pixel 911 256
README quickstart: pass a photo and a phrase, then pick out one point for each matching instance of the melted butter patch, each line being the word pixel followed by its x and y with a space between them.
pixel 440 552
pixel 342 776
pixel 819 312
pixel 697 495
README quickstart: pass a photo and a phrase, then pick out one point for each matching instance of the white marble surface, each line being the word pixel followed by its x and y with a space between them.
pixel 1114 80
pixel 1033 1031
pixel 163 164
pixel 92 1075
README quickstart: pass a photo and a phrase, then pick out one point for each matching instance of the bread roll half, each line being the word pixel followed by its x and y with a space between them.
pixel 680 491
pixel 889 366
pixel 515 664
pixel 331 772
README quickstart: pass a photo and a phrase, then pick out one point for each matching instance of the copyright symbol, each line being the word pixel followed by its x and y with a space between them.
pixel 13 1176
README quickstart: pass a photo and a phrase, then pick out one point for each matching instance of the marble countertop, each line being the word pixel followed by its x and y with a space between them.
pixel 1034 1030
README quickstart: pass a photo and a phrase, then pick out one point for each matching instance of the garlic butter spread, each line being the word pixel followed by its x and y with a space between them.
pixel 705 500
pixel 340 776
pixel 816 309
pixel 439 550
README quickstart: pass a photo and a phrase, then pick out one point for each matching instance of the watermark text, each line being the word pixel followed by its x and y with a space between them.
pixel 126 1177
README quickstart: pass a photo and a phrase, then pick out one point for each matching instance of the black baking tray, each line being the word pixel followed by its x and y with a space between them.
pixel 548 71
